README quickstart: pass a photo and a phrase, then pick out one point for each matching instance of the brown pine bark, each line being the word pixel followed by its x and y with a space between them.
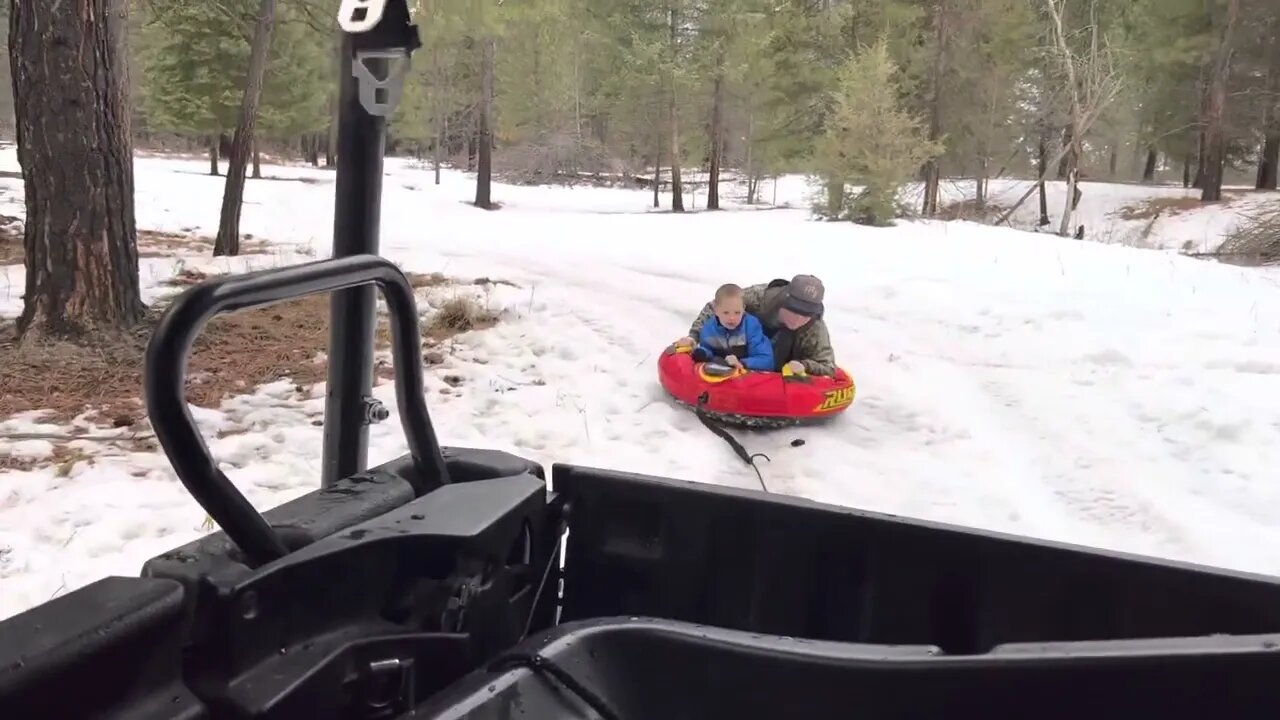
pixel 932 170
pixel 1149 169
pixel 228 240
pixel 673 115
pixel 214 155
pixel 1270 156
pixel 69 64
pixel 1215 132
pixel 717 139
pixel 484 175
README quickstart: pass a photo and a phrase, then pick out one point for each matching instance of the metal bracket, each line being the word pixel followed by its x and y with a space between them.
pixel 375 411
pixel 370 85
pixel 382 689
pixel 357 16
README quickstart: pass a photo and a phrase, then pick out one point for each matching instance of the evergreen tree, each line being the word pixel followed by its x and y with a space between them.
pixel 870 140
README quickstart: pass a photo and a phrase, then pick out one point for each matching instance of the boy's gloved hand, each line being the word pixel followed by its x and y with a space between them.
pixel 701 355
pixel 686 342
pixel 733 361
pixel 795 366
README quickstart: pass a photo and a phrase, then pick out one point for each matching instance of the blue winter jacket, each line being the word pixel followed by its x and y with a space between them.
pixel 747 342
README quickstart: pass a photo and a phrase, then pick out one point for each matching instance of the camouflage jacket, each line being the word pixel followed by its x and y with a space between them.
pixel 811 344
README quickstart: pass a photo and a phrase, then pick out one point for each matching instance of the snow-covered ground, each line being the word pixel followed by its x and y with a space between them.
pixel 1079 391
pixel 1112 213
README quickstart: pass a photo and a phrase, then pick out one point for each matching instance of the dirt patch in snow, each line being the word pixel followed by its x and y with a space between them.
pixel 1158 207
pixel 102 374
pixel 1152 208
pixel 151 244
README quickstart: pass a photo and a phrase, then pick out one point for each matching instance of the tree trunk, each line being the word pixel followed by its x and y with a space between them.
pixel 228 240
pixel 1198 181
pixel 1115 159
pixel 1203 94
pixel 657 168
pixel 1215 134
pixel 472 144
pixel 984 160
pixel 331 143
pixel 441 139
pixel 484 141
pixel 71 109
pixel 835 198
pixel 1186 170
pixel 1149 170
pixel 440 113
pixel 753 179
pixel 980 186
pixel 717 138
pixel 577 104
pixel 932 171
pixel 213 156
pixel 1267 166
pixel 1044 169
pixel 1270 156
pixel 1072 158
pixel 1064 165
pixel 677 195
pixel 257 161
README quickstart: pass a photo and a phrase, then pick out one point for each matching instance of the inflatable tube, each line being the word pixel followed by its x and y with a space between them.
pixel 753 399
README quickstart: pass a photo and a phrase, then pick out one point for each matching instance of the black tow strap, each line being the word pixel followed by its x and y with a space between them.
pixel 725 435
pixel 541 664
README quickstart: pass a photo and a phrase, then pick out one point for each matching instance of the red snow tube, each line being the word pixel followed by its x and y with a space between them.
pixel 754 399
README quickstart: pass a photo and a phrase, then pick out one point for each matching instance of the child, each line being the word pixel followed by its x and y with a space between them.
pixel 733 334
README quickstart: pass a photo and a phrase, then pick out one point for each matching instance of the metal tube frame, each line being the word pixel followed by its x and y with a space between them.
pixel 374 60
pixel 165 378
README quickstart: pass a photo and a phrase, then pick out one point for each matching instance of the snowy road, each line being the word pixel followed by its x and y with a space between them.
pixel 1088 394
pixel 1095 394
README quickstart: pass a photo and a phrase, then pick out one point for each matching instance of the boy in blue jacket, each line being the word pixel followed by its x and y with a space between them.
pixel 733 334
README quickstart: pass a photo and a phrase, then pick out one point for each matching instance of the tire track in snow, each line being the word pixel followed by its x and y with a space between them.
pixel 877 432
pixel 901 448
pixel 1078 475
pixel 621 315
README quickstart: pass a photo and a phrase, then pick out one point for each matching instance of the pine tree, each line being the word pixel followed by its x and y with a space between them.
pixel 193 67
pixel 870 140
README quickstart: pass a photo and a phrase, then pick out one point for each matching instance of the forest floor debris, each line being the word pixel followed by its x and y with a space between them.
pixel 98 378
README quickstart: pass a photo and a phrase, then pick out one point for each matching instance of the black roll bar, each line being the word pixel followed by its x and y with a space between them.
pixel 164 381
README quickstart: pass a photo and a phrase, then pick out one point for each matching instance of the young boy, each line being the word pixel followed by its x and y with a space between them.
pixel 733 334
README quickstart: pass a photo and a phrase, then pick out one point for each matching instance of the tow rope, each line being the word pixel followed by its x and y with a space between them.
pixel 725 435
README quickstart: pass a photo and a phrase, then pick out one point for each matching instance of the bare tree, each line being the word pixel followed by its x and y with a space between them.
pixel 1093 83
pixel 228 240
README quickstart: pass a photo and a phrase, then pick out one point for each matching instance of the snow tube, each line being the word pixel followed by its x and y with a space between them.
pixel 753 399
